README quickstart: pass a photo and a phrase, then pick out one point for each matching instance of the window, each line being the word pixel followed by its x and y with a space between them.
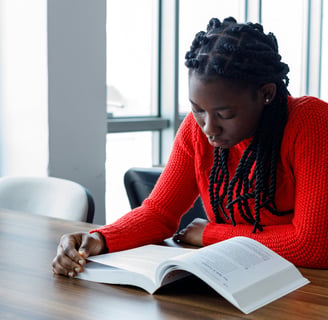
pixel 290 31
pixel 131 28
pixel 23 88
pixel 130 150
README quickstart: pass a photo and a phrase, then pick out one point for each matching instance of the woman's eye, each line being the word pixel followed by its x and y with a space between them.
pixel 197 111
pixel 226 115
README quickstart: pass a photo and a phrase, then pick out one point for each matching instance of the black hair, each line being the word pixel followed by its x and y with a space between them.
pixel 243 53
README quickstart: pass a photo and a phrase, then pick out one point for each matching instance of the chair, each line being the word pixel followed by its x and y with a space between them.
pixel 48 196
pixel 139 182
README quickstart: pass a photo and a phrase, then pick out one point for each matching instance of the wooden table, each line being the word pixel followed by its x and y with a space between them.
pixel 29 290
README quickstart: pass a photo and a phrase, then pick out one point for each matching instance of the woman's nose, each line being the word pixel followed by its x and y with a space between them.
pixel 212 126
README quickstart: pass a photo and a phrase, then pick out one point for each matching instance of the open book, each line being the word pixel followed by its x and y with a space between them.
pixel 243 271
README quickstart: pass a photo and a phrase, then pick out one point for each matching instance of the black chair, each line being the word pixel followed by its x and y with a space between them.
pixel 139 182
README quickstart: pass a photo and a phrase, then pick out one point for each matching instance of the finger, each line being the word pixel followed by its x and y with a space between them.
pixel 86 247
pixel 68 246
pixel 92 244
pixel 62 264
pixel 58 269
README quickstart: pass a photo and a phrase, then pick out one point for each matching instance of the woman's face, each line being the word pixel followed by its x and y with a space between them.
pixel 226 113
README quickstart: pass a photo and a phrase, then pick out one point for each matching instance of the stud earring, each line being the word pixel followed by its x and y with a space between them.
pixel 267 100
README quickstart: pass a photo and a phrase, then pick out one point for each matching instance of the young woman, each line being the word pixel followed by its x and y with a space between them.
pixel 257 157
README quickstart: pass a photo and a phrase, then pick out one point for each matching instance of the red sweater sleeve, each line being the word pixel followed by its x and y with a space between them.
pixel 304 241
pixel 175 191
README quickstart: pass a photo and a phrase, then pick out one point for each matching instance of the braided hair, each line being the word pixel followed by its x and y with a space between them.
pixel 244 53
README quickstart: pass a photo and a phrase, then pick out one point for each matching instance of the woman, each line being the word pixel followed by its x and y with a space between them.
pixel 257 157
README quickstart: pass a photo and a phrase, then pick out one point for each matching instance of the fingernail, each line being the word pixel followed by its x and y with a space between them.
pixel 71 274
pixel 81 262
pixel 82 253
pixel 77 270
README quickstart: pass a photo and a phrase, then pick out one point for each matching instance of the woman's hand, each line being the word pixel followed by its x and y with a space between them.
pixel 74 248
pixel 193 233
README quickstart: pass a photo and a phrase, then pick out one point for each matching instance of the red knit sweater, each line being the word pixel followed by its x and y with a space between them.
pixel 302 185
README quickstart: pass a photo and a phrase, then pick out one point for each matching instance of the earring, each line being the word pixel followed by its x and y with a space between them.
pixel 267 100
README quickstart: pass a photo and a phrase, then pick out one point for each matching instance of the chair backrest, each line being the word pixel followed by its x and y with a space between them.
pixel 48 196
pixel 139 182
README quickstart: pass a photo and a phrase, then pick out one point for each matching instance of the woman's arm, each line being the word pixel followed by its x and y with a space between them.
pixel 174 193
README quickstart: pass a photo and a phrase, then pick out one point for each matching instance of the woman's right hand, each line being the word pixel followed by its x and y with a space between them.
pixel 74 248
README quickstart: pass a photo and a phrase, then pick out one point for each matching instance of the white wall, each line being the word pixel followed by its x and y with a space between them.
pixel 77 94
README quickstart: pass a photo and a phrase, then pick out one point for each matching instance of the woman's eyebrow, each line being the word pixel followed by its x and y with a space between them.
pixel 217 108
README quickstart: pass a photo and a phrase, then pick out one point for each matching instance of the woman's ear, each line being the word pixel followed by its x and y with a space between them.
pixel 268 92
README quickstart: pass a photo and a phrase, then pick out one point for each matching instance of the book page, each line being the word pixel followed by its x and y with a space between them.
pixel 101 273
pixel 269 289
pixel 226 262
pixel 129 263
pixel 235 267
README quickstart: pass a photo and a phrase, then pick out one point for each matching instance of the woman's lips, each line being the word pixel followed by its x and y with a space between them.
pixel 215 142
pixel 218 143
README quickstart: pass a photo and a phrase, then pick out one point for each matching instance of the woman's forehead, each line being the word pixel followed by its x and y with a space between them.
pixel 200 83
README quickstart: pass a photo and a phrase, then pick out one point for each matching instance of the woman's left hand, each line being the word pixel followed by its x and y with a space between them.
pixel 193 233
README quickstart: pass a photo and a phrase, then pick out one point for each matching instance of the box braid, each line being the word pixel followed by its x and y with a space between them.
pixel 243 53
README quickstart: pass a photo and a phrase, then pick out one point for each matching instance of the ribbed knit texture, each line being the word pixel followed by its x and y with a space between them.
pixel 302 185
